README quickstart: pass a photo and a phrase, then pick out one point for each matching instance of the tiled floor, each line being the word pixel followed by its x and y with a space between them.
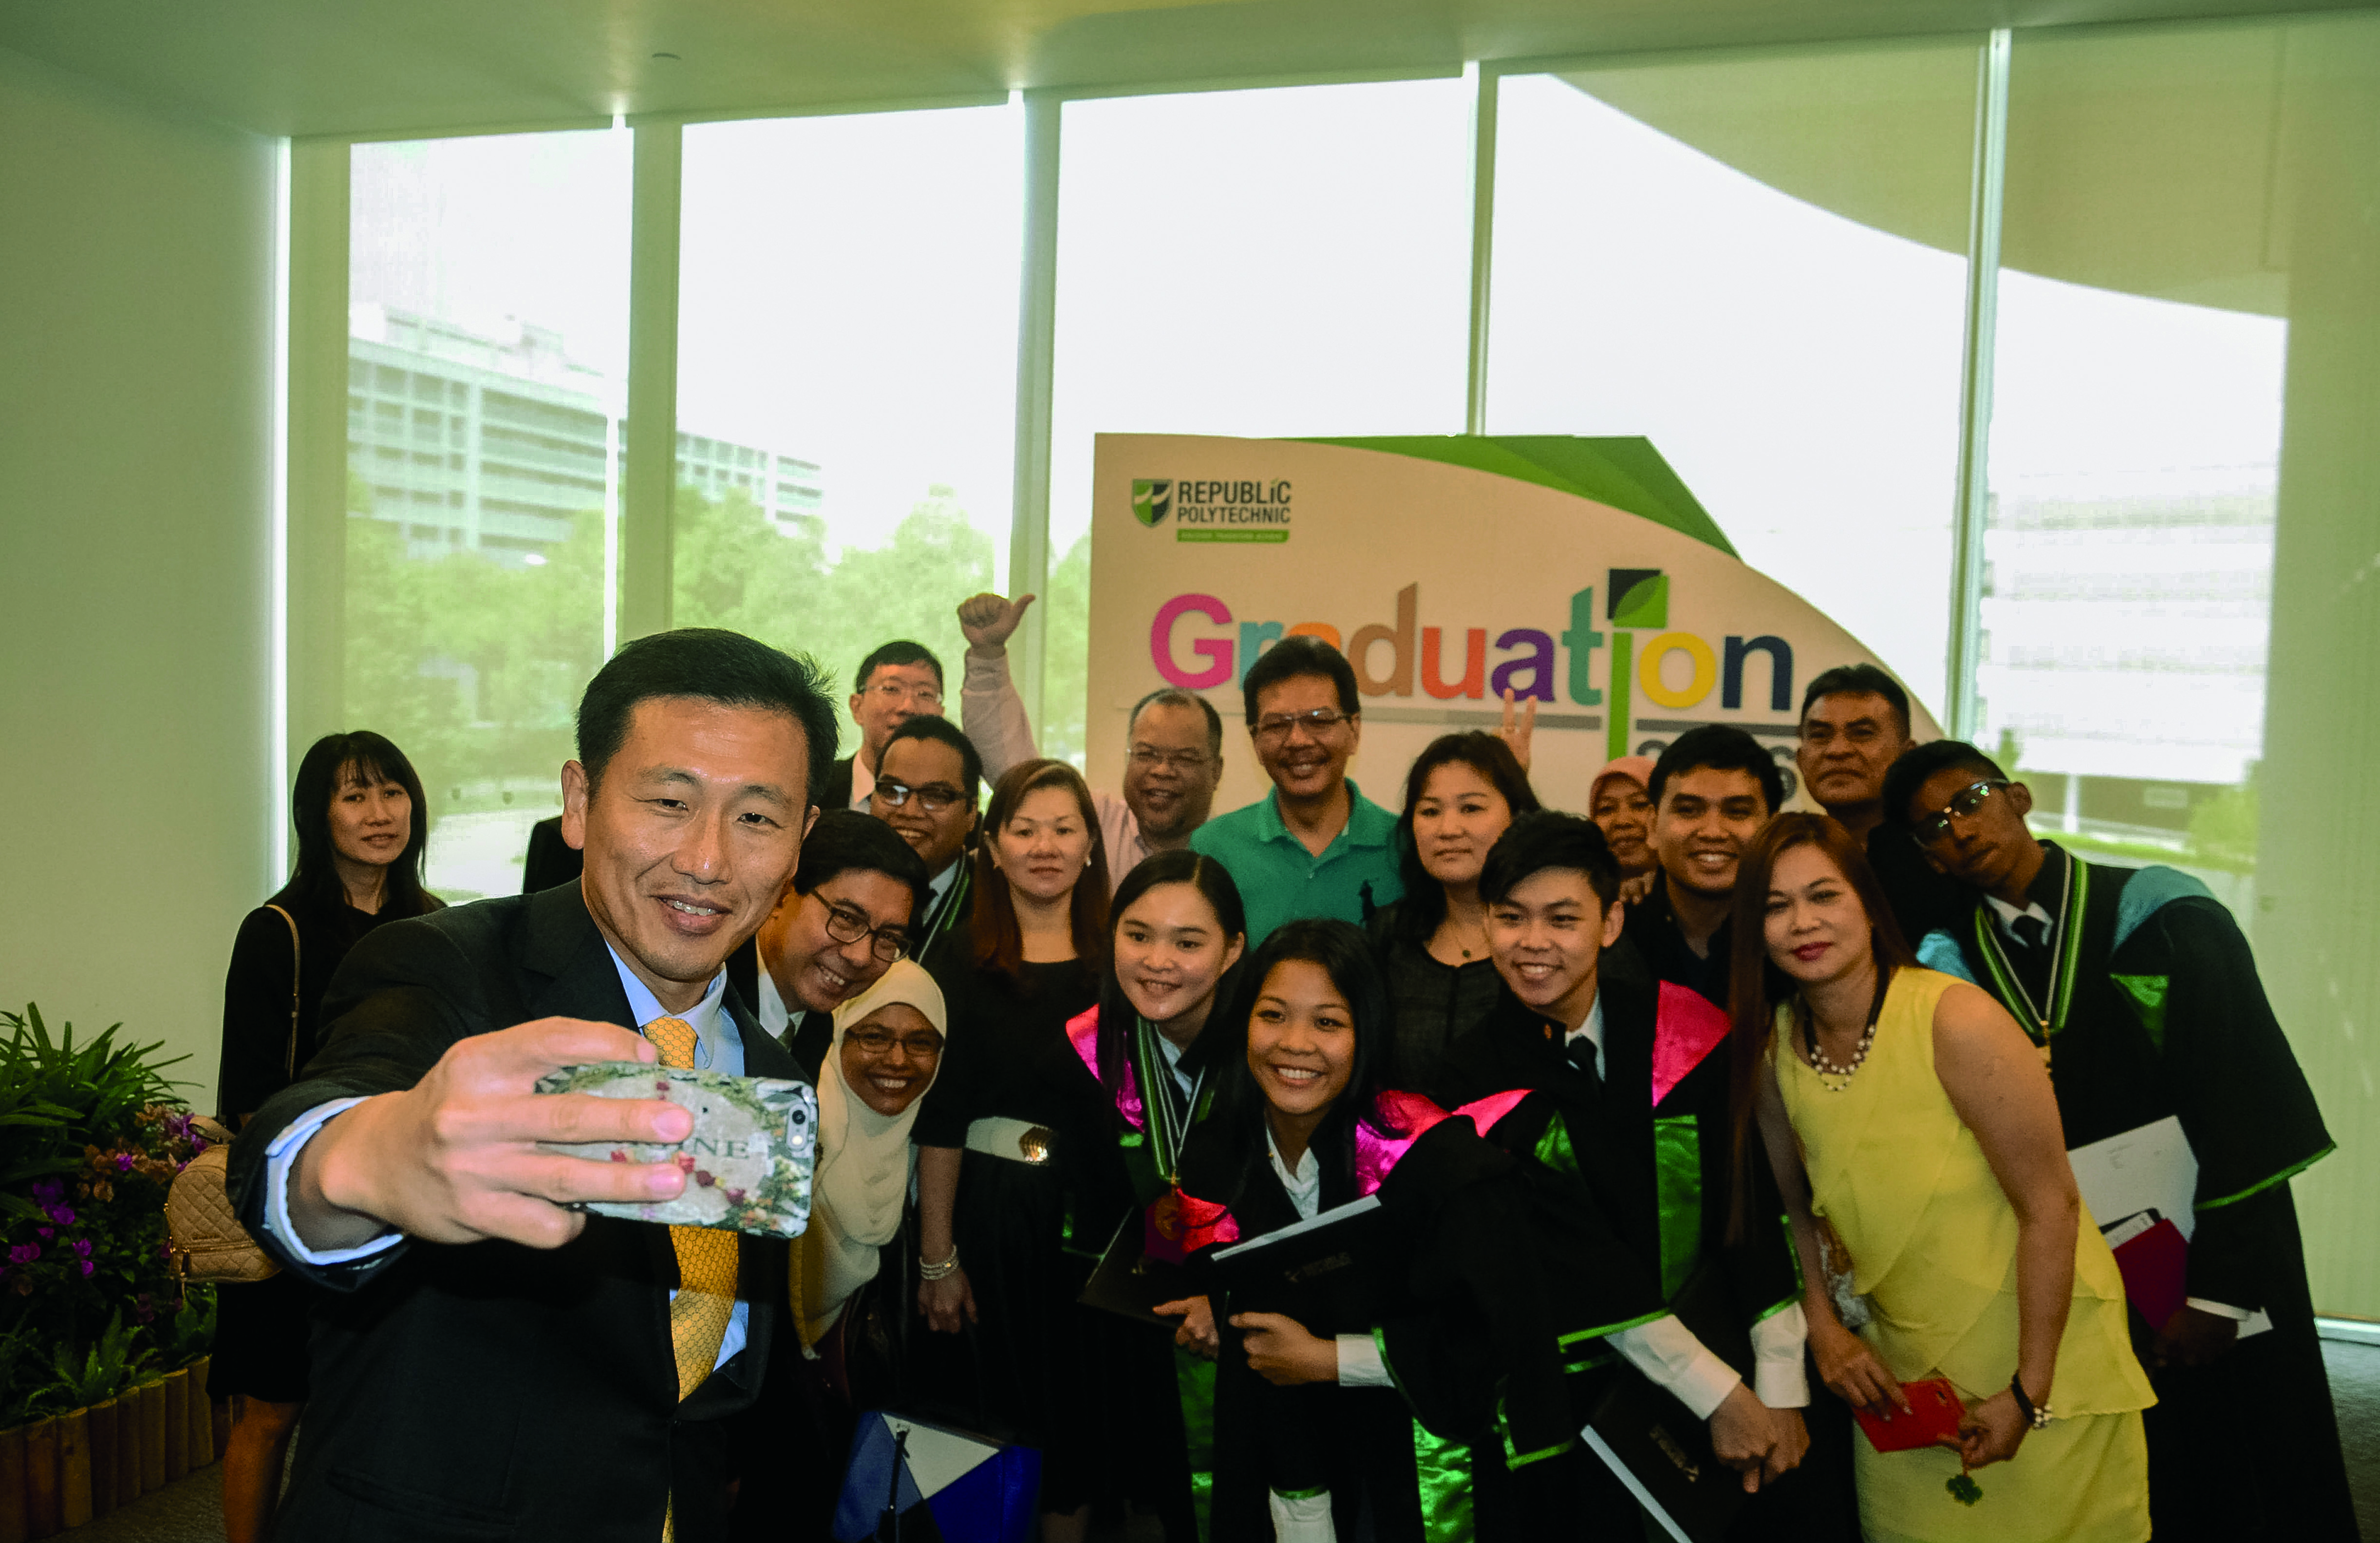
pixel 191 1511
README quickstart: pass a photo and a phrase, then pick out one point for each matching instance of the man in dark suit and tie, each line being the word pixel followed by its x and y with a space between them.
pixel 490 1362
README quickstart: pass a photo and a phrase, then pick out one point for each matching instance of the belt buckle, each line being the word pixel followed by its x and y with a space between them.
pixel 1033 1145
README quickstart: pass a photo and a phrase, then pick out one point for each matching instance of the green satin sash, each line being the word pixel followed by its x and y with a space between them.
pixel 1678 1191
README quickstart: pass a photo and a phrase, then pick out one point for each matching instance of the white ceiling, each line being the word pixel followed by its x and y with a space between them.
pixel 341 66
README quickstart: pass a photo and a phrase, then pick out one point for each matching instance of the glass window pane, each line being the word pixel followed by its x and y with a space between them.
pixel 1759 263
pixel 1262 263
pixel 847 377
pixel 488 289
pixel 2183 617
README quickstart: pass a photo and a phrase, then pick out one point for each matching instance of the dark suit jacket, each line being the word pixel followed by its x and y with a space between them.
pixel 488 1389
pixel 837 786
pixel 551 859
pixel 808 1032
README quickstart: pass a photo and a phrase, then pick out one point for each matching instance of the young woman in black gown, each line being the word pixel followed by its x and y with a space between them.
pixel 1018 1188
pixel 361 830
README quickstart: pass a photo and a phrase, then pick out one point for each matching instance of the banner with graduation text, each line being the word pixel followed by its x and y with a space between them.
pixel 1581 572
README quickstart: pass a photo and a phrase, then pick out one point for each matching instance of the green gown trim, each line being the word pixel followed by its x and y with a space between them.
pixel 2147 994
pixel 2262 1184
pixel 2042 1022
pixel 1678 1188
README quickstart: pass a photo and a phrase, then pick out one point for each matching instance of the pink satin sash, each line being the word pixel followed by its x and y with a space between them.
pixel 1686 1028
pixel 1083 1033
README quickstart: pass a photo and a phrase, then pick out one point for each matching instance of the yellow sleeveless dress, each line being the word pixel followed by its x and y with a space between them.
pixel 1932 1240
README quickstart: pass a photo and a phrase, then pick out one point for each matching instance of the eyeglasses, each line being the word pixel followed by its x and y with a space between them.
pixel 1966 801
pixel 936 797
pixel 893 690
pixel 1148 759
pixel 847 924
pixel 1274 727
pixel 873 1041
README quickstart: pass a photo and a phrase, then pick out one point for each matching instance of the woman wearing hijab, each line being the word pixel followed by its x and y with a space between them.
pixel 1622 810
pixel 886 1050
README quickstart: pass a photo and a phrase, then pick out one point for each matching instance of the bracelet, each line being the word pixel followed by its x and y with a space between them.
pixel 2035 1417
pixel 938 1271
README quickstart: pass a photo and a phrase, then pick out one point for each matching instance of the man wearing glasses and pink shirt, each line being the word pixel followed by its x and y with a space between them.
pixel 1175 758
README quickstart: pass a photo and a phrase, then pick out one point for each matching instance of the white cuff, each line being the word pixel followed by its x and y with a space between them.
pixel 1776 1367
pixel 1303 1520
pixel 279 1158
pixel 1665 1351
pixel 1360 1364
pixel 2220 1310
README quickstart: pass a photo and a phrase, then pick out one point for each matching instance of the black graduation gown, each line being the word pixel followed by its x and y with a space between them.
pixel 1659 949
pixel 1628 1197
pixel 2166 1016
pixel 1475 1439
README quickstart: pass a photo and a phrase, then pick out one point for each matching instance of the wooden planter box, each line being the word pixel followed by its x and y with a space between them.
pixel 60 1472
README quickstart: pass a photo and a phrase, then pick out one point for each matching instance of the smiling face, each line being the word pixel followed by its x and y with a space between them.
pixel 1848 741
pixel 1815 926
pixel 1301 1040
pixel 939 835
pixel 893 695
pixel 1625 815
pixel 1304 764
pixel 889 1057
pixel 371 818
pixel 1170 770
pixel 1707 818
pixel 1170 952
pixel 1547 936
pixel 1044 844
pixel 1456 821
pixel 810 963
pixel 689 836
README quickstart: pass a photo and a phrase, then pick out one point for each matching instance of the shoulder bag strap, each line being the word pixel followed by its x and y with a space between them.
pixel 296 973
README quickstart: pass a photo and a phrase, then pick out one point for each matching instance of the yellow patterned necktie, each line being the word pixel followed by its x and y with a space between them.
pixel 706 1256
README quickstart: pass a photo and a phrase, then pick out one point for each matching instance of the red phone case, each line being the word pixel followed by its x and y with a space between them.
pixel 1935 1411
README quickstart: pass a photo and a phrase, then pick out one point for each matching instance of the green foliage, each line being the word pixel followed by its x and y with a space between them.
pixel 191 1333
pixel 103 1370
pixel 90 1139
pixel 1066 650
pixel 2223 829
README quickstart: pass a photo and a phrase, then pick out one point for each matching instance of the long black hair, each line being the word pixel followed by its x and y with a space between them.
pixel 332 762
pixel 1118 1017
pixel 1424 906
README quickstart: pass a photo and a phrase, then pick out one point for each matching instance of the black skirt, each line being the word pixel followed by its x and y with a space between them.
pixel 262 1328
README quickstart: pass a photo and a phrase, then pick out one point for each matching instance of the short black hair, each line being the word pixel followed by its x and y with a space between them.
pixel 846 841
pixel 942 731
pixel 1718 747
pixel 1302 655
pixel 1341 949
pixel 1173 696
pixel 898 651
pixel 1550 838
pixel 1918 767
pixel 709 664
pixel 1858 680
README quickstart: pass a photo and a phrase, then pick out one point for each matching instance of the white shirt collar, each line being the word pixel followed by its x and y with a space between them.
pixel 712 1049
pixel 863 782
pixel 2009 914
pixel 773 1013
pixel 1173 1053
pixel 1304 1181
pixel 1592 1029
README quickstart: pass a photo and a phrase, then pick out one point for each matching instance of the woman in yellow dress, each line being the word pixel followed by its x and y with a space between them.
pixel 1905 1110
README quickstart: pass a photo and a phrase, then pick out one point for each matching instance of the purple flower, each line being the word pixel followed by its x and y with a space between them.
pixel 40 1232
pixel 82 1247
pixel 49 1191
pixel 123 1163
pixel 25 1253
pixel 62 1215
pixel 87 1267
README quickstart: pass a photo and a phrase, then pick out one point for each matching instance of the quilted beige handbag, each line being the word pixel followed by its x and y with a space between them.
pixel 207 1241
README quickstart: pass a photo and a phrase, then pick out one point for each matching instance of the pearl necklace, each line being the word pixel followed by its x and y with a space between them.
pixel 1822 1064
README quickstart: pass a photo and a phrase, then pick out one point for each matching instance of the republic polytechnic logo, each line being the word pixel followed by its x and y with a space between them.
pixel 1152 502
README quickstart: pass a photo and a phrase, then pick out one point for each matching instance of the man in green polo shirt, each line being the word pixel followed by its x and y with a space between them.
pixel 1314 846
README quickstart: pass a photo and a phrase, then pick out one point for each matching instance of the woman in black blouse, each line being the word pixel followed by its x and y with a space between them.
pixel 1018 1187
pixel 357 807
pixel 1432 945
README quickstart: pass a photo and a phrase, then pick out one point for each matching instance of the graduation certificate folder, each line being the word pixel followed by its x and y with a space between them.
pixel 1339 1272
pixel 2141 1187
pixel 1129 1283
pixel 1655 1445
